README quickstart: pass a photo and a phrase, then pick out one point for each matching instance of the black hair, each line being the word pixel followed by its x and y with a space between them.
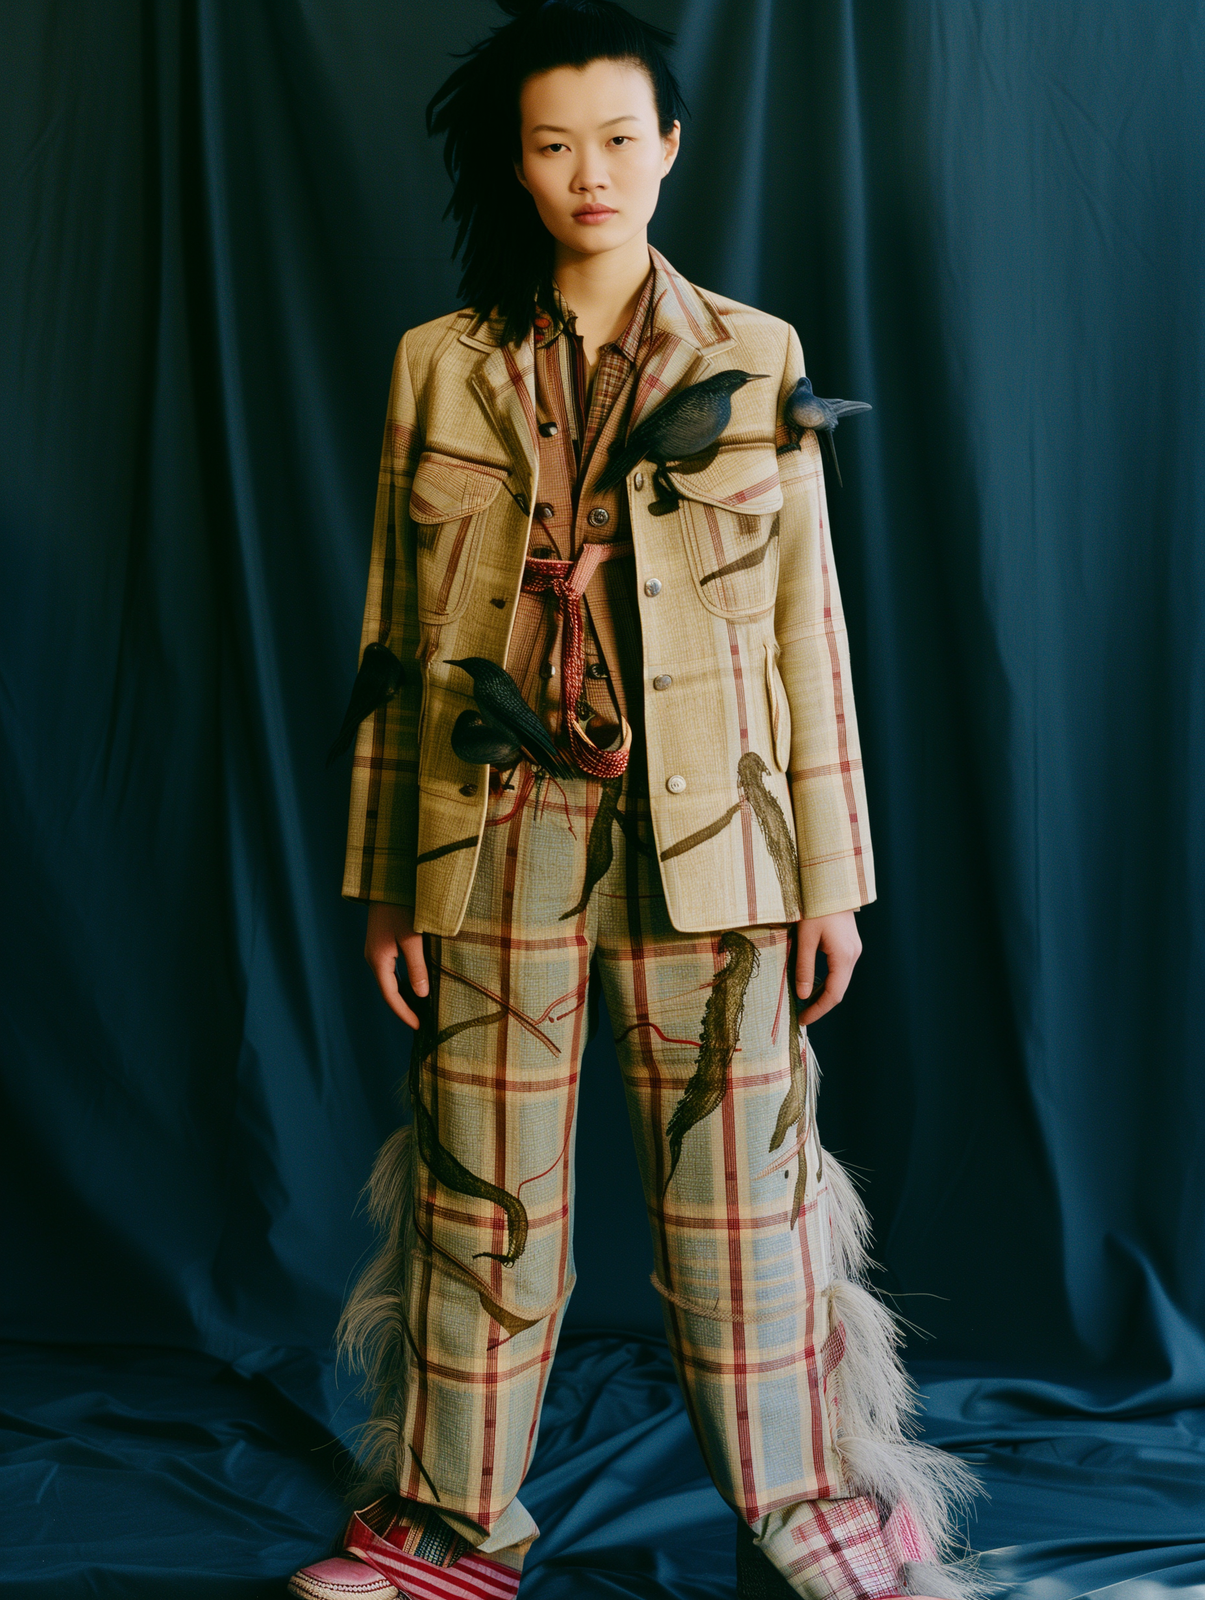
pixel 505 251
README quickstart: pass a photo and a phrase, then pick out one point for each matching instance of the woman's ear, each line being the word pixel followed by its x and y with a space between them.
pixel 519 174
pixel 669 144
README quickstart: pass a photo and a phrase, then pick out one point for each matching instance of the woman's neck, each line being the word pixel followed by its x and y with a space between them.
pixel 602 290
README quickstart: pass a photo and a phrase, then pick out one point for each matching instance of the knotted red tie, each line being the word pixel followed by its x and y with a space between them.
pixel 566 582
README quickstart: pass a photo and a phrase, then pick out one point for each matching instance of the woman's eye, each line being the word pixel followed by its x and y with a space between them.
pixel 621 138
pixel 554 147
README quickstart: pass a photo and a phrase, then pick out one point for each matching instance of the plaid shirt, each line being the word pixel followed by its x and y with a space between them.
pixel 577 423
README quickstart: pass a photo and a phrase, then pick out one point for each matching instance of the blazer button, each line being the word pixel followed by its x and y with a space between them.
pixel 468 788
pixel 599 517
pixel 676 784
pixel 662 681
pixel 548 430
pixel 638 481
pixel 544 511
pixel 652 586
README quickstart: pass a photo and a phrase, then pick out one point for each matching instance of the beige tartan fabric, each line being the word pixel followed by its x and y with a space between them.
pixel 766 817
pixel 754 1227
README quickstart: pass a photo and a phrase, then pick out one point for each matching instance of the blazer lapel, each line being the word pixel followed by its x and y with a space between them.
pixel 687 333
pixel 505 384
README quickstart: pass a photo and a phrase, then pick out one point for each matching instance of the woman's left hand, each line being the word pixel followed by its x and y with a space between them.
pixel 838 937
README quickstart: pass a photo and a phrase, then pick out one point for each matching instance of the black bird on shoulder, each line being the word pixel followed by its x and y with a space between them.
pixel 685 425
pixel 378 680
pixel 805 410
pixel 507 722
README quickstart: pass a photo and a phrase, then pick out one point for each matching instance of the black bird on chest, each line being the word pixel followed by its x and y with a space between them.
pixel 685 425
pixel 805 410
pixel 506 724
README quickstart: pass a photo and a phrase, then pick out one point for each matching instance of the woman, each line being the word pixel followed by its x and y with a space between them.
pixel 590 480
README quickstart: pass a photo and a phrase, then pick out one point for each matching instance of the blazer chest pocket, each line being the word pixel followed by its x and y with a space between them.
pixel 729 513
pixel 448 502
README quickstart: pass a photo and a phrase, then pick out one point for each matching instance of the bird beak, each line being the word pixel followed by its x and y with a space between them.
pixel 753 375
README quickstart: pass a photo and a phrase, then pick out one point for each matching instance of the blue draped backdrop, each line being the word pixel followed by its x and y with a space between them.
pixel 984 216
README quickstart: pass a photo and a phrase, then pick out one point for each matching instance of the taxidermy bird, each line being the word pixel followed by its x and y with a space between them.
pixel 686 424
pixel 476 739
pixel 378 680
pixel 805 410
pixel 507 716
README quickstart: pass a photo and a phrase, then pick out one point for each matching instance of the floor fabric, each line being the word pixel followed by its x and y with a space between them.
pixel 149 1474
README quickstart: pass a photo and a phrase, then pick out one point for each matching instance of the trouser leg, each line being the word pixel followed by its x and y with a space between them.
pixel 460 1314
pixel 787 1364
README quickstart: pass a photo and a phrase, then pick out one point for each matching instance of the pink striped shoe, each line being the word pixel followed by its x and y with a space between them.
pixel 397 1548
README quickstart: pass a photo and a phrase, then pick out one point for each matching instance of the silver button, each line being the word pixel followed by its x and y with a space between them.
pixel 652 586
pixel 638 481
pixel 548 430
pixel 599 517
pixel 676 784
pixel 662 681
pixel 544 511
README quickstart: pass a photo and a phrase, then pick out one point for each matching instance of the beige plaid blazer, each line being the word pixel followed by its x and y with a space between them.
pixel 755 777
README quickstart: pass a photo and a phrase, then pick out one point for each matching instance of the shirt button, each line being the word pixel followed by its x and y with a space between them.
pixel 638 481
pixel 652 586
pixel 548 430
pixel 544 511
pixel 543 552
pixel 662 681
pixel 599 517
pixel 597 669
pixel 676 784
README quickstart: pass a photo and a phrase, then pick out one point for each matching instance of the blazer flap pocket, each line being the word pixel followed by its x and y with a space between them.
pixel 740 477
pixel 447 488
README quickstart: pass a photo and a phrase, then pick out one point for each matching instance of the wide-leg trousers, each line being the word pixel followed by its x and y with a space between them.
pixel 460 1314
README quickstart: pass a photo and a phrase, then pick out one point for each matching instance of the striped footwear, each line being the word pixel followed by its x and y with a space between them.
pixel 399 1548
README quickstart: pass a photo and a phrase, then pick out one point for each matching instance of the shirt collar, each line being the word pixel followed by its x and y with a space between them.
pixel 629 341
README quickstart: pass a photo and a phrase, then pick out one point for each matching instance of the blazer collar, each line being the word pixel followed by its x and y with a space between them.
pixel 688 331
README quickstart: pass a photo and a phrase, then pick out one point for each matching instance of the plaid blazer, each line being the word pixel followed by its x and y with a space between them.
pixel 755 777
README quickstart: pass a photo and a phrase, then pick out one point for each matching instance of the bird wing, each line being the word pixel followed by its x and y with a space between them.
pixel 620 465
pixel 504 705
pixel 378 680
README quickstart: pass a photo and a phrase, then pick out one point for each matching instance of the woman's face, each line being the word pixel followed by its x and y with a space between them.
pixel 593 156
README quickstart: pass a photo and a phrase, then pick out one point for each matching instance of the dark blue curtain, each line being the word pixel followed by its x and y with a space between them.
pixel 984 216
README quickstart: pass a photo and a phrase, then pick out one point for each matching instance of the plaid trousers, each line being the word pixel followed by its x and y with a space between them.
pixel 458 1318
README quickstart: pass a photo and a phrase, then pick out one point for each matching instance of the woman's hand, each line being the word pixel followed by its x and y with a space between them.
pixel 838 937
pixel 390 930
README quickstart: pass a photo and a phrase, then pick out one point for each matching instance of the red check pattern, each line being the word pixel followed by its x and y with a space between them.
pixel 468 1577
pixel 756 1347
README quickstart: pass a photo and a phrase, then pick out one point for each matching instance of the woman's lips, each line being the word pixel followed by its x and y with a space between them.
pixel 594 214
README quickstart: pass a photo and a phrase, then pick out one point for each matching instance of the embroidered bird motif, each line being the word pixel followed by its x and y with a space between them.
pixel 378 680
pixel 719 1038
pixel 806 411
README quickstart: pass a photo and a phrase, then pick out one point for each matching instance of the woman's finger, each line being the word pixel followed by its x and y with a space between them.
pixel 384 965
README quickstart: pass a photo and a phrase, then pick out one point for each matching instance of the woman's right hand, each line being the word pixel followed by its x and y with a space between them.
pixel 390 932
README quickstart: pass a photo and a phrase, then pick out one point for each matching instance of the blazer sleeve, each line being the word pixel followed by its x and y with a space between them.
pixel 836 867
pixel 382 833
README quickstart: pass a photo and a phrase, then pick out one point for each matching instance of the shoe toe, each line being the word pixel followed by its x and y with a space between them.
pixel 340 1579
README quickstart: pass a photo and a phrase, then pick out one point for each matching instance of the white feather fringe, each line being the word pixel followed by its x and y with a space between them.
pixel 877 1405
pixel 372 1334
